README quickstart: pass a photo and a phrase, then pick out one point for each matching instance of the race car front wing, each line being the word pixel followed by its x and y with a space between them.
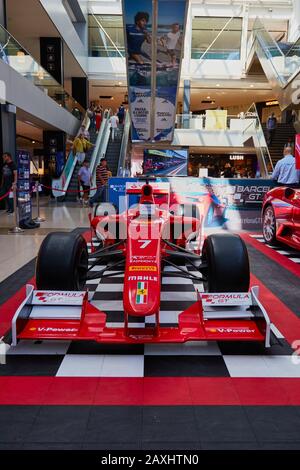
pixel 68 315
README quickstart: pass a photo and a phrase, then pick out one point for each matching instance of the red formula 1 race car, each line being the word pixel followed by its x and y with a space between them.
pixel 281 217
pixel 140 243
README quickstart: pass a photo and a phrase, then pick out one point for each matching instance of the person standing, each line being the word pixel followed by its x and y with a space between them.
pixel 91 115
pixel 80 146
pixel 101 183
pixel 285 172
pixel 121 115
pixel 114 122
pixel 9 180
pixel 271 128
pixel 85 180
pixel 98 117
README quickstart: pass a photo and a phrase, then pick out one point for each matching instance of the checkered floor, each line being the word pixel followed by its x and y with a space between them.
pixel 213 359
pixel 289 253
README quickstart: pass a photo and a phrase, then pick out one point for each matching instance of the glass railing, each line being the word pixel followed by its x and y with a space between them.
pixel 106 51
pixel 22 61
pixel 220 54
pixel 61 184
pixel 100 147
pixel 255 131
pixel 284 58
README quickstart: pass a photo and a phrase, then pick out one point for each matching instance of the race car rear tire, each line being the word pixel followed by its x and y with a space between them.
pixel 62 262
pixel 227 264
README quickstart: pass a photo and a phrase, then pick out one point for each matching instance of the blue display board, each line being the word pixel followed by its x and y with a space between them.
pixel 234 204
pixel 24 199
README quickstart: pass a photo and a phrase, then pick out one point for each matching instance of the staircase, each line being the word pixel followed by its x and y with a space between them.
pixel 283 133
pixel 113 151
pixel 73 186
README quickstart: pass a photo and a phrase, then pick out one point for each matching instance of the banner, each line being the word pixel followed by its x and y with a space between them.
pixel 170 28
pixel 297 151
pixel 24 199
pixel 234 204
pixel 154 42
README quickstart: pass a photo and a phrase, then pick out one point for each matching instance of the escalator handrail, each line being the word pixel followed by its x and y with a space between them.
pixel 124 146
pixel 99 142
pixel 61 184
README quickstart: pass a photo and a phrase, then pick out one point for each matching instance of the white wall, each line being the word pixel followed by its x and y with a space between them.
pixel 203 138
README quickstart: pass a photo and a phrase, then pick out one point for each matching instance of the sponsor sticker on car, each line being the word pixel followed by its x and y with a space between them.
pixel 142 293
pixel 57 297
pixel 229 299
pixel 143 268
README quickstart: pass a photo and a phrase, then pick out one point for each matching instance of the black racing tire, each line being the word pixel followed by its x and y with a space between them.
pixel 269 226
pixel 62 262
pixel 227 264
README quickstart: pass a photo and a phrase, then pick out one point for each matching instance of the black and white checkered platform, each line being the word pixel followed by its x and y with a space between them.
pixel 290 253
pixel 198 359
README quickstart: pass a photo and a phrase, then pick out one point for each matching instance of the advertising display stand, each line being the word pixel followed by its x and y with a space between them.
pixel 24 199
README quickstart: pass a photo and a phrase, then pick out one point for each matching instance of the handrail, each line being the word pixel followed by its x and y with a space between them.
pixel 61 184
pixel 99 142
pixel 100 149
pixel 124 146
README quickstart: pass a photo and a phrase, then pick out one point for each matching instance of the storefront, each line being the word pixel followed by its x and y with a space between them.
pixel 239 164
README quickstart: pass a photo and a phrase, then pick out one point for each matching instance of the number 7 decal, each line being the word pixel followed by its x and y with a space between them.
pixel 144 244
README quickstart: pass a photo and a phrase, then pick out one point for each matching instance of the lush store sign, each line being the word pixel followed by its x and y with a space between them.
pixel 154 43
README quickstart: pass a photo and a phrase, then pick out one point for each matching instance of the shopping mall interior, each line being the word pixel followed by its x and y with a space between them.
pixel 123 123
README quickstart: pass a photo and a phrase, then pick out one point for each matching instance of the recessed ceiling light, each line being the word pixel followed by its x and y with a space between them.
pixel 251 86
pixel 33 141
pixel 218 85
pixel 120 83
pixel 208 97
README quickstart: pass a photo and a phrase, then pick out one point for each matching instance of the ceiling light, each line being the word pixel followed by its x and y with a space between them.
pixel 251 86
pixel 33 141
pixel 218 85
pixel 120 83
pixel 208 97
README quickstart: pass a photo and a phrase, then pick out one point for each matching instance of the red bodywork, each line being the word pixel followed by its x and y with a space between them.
pixel 286 206
pixel 146 236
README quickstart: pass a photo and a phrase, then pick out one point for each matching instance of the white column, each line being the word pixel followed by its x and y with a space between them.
pixel 244 38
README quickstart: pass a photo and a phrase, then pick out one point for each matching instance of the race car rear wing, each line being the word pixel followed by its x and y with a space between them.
pixel 63 315
pixel 157 188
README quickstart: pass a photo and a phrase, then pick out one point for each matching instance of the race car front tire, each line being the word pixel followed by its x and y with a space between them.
pixel 62 262
pixel 226 258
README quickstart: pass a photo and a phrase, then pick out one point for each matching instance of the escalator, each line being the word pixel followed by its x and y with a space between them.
pixel 281 65
pixel 65 188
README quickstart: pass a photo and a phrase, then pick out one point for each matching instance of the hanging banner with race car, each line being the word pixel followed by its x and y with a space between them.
pixel 154 42
pixel 297 151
